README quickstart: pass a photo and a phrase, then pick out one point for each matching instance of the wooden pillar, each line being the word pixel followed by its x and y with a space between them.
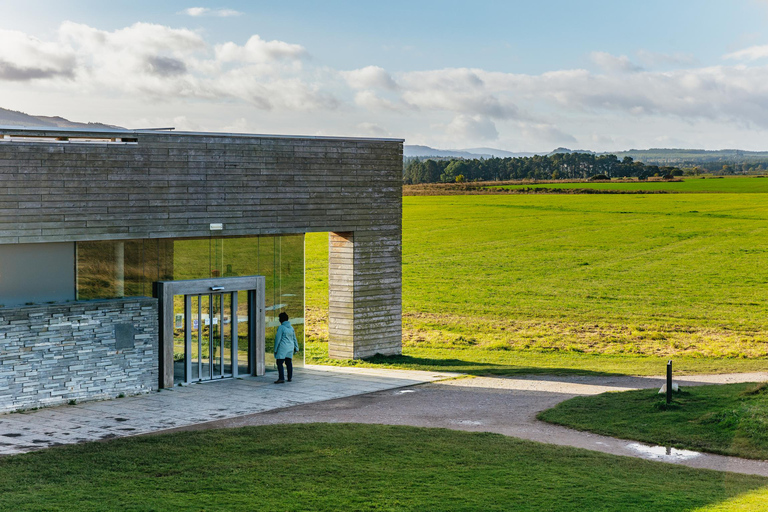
pixel 364 287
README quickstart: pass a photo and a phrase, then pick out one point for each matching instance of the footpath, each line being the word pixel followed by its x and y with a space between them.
pixel 505 406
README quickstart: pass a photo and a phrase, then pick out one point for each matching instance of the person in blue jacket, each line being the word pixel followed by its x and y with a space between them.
pixel 285 346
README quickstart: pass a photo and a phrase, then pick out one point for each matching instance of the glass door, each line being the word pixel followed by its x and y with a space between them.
pixel 210 329
pixel 206 328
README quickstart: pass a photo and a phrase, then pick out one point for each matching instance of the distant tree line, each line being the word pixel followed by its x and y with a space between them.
pixel 551 167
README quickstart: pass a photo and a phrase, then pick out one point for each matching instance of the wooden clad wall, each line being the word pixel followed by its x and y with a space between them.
pixel 174 185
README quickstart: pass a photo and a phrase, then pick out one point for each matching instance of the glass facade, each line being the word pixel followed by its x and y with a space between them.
pixel 127 268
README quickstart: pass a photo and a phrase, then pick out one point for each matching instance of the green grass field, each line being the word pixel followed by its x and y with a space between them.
pixel 727 419
pixel 740 185
pixel 357 467
pixel 548 279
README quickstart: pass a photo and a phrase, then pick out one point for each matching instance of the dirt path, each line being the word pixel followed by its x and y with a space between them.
pixel 506 406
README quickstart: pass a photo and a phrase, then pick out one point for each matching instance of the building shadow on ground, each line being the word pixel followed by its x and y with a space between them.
pixel 476 368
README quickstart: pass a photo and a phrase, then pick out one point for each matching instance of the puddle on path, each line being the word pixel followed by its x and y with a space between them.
pixel 664 453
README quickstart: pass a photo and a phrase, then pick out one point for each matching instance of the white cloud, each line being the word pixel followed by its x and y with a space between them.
pixel 372 130
pixel 24 58
pixel 749 54
pixel 163 63
pixel 205 11
pixel 546 133
pixel 239 125
pixel 462 91
pixel 472 129
pixel 152 65
pixel 656 59
pixel 257 50
pixel 370 77
pixel 375 103
pixel 614 64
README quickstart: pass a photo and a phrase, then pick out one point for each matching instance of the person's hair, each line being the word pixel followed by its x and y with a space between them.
pixel 283 317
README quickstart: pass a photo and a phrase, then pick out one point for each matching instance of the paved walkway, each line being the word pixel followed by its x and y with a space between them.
pixel 199 403
pixel 506 406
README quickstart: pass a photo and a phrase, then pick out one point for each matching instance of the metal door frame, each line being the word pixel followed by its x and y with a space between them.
pixel 164 291
pixel 213 298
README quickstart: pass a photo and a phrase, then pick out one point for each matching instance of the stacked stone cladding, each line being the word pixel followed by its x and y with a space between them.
pixel 54 353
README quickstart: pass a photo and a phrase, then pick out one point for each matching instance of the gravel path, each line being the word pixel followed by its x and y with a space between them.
pixel 506 406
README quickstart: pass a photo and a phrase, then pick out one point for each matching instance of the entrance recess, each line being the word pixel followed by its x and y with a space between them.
pixel 210 329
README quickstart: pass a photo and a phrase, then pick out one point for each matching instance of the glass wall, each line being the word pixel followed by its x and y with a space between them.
pixel 127 268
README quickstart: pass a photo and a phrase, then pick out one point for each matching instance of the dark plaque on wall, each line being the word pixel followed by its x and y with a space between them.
pixel 124 336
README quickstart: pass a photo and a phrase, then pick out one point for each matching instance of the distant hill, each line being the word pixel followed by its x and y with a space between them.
pixel 569 151
pixel 426 151
pixel 690 157
pixel 500 153
pixel 15 118
pixel 410 151
pixel 711 160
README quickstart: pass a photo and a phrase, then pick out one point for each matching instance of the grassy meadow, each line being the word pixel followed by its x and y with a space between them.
pixel 608 283
pixel 739 185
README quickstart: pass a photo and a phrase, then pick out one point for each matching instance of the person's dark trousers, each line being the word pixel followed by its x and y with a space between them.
pixel 288 364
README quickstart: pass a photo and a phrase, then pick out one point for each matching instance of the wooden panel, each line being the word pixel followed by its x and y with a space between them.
pixel 176 185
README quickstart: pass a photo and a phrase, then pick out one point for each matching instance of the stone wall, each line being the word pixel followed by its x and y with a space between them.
pixel 55 353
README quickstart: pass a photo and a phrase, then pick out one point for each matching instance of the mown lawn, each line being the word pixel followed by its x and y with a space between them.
pixel 645 276
pixel 356 467
pixel 728 419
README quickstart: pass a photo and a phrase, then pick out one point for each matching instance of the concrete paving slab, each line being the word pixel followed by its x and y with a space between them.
pixel 198 403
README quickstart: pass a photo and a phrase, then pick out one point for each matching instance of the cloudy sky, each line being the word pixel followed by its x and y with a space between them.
pixel 516 75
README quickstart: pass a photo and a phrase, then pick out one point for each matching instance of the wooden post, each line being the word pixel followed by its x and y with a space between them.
pixel 669 381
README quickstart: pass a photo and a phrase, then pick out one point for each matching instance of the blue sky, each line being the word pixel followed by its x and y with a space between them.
pixel 601 75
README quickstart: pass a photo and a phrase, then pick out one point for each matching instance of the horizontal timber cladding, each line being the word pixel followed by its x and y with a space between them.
pixel 175 185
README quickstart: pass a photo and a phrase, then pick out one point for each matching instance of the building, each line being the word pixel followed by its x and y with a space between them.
pixel 132 260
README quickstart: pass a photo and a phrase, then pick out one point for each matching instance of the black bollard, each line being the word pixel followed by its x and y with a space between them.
pixel 669 381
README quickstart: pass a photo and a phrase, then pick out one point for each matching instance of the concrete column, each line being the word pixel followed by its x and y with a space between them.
pixel 364 286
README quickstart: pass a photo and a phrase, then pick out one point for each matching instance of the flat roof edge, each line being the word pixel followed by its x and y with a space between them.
pixel 54 131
